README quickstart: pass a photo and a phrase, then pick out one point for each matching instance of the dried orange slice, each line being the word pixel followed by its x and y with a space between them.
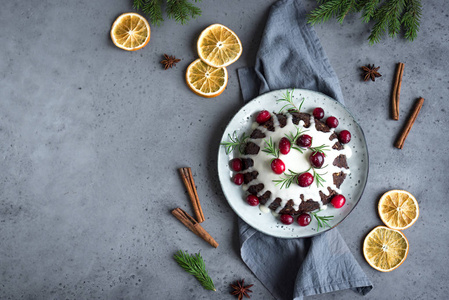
pixel 218 46
pixel 398 209
pixel 130 31
pixel 205 80
pixel 385 249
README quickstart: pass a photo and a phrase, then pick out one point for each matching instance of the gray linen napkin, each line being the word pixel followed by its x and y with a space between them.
pixel 290 55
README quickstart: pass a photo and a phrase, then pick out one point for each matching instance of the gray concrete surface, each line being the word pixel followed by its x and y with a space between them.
pixel 92 136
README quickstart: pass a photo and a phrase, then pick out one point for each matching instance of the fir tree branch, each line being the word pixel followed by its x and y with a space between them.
pixel 390 16
pixel 180 10
pixel 410 19
pixel 347 7
pixel 194 265
pixel 369 8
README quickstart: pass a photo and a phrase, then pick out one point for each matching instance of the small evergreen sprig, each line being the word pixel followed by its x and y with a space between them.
pixel 318 179
pixel 194 265
pixel 235 142
pixel 322 220
pixel 292 177
pixel 289 106
pixel 389 15
pixel 320 149
pixel 180 10
pixel 293 137
pixel 271 148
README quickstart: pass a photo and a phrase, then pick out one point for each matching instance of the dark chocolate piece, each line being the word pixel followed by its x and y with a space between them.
pixel 282 120
pixel 298 116
pixel 340 161
pixel 247 163
pixel 251 148
pixel 264 198
pixel 275 204
pixel 339 178
pixel 257 134
pixel 269 125
pixel 307 206
pixel 249 176
pixel 320 126
pixel 327 198
pixel 256 188
pixel 337 146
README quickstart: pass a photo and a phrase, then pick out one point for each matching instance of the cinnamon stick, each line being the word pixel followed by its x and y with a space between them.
pixel 194 226
pixel 395 95
pixel 408 126
pixel 187 178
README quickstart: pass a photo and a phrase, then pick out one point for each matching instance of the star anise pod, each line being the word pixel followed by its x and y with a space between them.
pixel 169 61
pixel 370 72
pixel 241 290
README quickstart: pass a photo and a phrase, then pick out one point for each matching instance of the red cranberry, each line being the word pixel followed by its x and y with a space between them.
pixel 304 219
pixel 286 219
pixel 332 122
pixel 316 159
pixel 238 179
pixel 252 200
pixel 318 113
pixel 344 136
pixel 236 164
pixel 305 179
pixel 278 166
pixel 263 116
pixel 304 141
pixel 338 201
pixel 284 146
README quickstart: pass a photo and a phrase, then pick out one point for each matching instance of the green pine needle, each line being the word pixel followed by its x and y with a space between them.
pixel 390 16
pixel 181 11
pixel 235 142
pixel 321 220
pixel 194 265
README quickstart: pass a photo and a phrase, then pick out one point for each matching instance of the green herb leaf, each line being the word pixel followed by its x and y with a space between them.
pixel 289 106
pixel 194 265
pixel 322 220
pixel 235 142
pixel 271 148
pixel 287 181
pixel 320 149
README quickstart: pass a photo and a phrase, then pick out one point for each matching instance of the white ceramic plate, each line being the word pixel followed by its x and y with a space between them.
pixel 352 187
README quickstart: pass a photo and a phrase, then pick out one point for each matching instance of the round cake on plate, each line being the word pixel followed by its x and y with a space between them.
pixel 293 163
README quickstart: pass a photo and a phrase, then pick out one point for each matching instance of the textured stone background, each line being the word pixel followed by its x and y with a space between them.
pixel 92 136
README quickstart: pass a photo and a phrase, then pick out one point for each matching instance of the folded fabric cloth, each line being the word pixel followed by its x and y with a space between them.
pixel 291 56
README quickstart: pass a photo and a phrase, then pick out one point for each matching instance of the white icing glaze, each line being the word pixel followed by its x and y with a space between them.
pixel 297 162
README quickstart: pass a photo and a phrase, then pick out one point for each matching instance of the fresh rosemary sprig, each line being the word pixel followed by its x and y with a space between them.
pixel 322 220
pixel 318 179
pixel 289 106
pixel 288 180
pixel 292 177
pixel 293 137
pixel 271 148
pixel 235 142
pixel 320 149
pixel 194 265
